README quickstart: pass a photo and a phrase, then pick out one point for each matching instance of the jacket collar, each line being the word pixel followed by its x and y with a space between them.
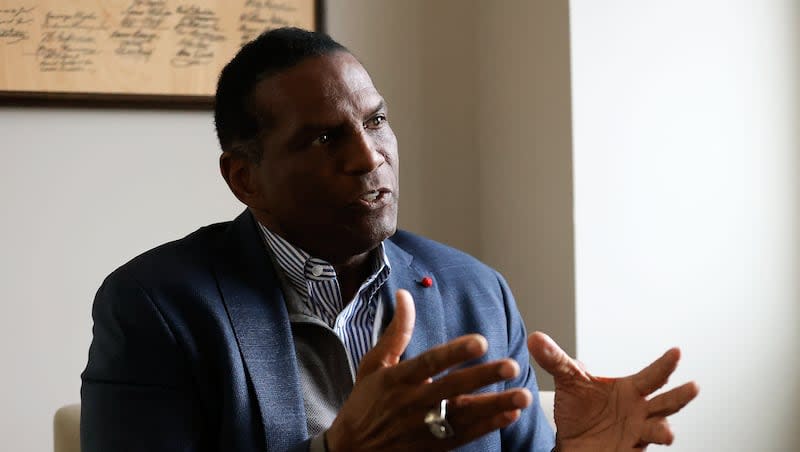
pixel 429 326
pixel 257 311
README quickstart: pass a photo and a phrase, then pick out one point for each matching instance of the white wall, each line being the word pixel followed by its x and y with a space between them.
pixel 82 192
pixel 687 162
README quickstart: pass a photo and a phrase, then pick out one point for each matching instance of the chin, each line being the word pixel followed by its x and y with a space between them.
pixel 369 238
pixel 368 235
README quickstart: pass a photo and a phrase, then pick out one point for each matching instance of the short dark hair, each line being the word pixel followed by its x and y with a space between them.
pixel 237 120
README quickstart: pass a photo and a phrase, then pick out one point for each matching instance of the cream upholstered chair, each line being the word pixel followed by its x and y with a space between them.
pixel 66 429
pixel 67 421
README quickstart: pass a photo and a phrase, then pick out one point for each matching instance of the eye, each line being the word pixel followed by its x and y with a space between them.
pixel 321 140
pixel 375 122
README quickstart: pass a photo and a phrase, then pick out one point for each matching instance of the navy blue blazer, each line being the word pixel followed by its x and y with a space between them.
pixel 192 347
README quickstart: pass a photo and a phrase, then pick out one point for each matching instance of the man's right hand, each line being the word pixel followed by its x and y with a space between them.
pixel 386 408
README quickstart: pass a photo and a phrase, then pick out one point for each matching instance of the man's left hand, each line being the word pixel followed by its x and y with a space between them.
pixel 610 414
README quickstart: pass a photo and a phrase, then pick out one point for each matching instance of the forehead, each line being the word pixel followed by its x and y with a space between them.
pixel 319 89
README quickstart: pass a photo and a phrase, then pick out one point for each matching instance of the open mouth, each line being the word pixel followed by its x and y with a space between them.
pixel 375 198
pixel 371 196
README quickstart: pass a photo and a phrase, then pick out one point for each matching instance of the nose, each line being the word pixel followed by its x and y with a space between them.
pixel 362 155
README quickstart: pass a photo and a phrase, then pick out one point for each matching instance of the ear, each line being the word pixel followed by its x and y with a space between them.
pixel 240 174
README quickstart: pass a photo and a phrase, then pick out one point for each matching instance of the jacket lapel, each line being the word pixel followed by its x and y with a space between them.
pixel 429 327
pixel 254 302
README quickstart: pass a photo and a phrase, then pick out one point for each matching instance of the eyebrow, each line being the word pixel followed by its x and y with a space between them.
pixel 381 106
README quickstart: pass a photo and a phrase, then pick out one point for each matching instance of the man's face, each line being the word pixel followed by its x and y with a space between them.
pixel 328 179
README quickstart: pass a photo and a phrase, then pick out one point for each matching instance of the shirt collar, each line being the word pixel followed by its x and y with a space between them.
pixel 301 268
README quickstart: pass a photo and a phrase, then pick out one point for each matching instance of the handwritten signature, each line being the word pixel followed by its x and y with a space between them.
pixel 11 19
pixel 15 13
pixel 146 14
pixel 268 4
pixel 13 35
pixel 78 20
pixel 191 22
pixel 66 37
pixel 186 57
pixel 65 58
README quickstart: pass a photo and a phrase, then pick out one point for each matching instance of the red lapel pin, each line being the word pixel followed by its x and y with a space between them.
pixel 426 281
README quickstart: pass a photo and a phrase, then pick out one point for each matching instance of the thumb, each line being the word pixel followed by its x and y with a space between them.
pixel 394 340
pixel 552 358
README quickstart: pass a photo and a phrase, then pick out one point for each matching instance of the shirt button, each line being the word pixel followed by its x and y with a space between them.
pixel 316 270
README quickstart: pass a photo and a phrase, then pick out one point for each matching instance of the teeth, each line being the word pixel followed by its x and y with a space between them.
pixel 371 196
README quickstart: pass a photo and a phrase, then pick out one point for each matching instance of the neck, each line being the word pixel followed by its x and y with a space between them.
pixel 351 274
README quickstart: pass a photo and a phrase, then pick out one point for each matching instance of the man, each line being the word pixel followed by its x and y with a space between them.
pixel 281 329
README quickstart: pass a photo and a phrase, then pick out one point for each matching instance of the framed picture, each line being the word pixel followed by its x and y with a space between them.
pixel 164 53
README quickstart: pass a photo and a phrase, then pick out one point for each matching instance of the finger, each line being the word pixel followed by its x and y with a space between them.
pixel 471 408
pixel 394 340
pixel 440 358
pixel 656 431
pixel 467 427
pixel 656 374
pixel 469 432
pixel 672 401
pixel 465 381
pixel 552 358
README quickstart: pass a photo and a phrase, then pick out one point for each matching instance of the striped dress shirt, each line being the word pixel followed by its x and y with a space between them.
pixel 315 281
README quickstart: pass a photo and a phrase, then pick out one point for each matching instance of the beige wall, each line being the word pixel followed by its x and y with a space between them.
pixel 479 94
pixel 525 154
pixel 421 57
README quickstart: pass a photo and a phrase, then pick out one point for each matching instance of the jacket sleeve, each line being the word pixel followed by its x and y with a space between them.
pixel 531 432
pixel 135 395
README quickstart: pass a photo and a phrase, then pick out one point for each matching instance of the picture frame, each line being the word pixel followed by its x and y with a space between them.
pixel 131 53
